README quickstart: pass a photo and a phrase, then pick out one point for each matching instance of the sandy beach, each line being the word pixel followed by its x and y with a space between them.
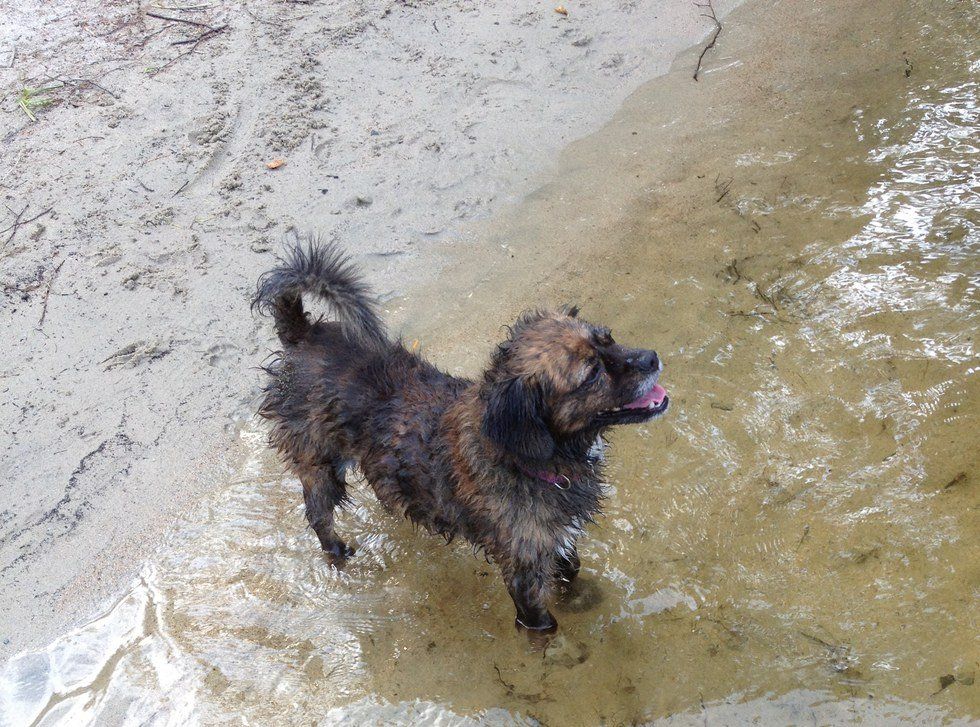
pixel 139 207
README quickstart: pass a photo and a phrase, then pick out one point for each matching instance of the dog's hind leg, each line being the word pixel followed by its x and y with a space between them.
pixel 324 488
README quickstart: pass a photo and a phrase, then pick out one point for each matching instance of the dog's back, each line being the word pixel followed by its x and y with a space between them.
pixel 344 394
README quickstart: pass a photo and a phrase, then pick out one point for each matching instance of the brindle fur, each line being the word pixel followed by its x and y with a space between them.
pixel 456 456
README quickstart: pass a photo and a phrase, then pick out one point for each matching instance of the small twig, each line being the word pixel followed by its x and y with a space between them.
pixel 714 36
pixel 181 188
pixel 119 26
pixel 186 9
pixel 155 33
pixel 818 640
pixel 79 81
pixel 179 20
pixel 18 222
pixel 14 226
pixel 202 36
pixel 500 678
pixel 47 294
pixel 724 188
pixel 196 41
pixel 264 21
pixel 82 81
pixel 747 314
pixel 766 297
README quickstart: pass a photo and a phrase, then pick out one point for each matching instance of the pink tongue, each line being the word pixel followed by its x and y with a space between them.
pixel 654 396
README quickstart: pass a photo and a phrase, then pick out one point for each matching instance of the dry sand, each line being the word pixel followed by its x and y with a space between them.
pixel 139 211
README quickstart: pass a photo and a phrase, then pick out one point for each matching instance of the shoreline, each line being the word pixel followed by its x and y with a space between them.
pixel 128 301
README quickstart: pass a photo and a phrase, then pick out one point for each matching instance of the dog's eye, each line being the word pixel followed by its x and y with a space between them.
pixel 593 376
pixel 603 337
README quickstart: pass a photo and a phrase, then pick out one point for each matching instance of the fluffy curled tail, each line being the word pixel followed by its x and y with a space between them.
pixel 325 272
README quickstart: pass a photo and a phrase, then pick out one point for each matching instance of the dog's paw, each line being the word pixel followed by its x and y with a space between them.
pixel 337 553
pixel 539 637
pixel 543 625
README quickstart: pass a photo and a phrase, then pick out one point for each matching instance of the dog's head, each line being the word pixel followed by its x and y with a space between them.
pixel 558 378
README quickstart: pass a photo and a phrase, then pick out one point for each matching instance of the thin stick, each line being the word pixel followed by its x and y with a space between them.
pixel 47 294
pixel 724 187
pixel 79 81
pixel 187 9
pixel 714 36
pixel 196 41
pixel 178 20
pixel 202 36
pixel 82 81
pixel 142 43
pixel 14 226
pixel 256 18
pixel 18 223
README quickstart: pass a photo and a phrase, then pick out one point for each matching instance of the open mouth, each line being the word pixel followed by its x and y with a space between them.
pixel 653 400
pixel 651 403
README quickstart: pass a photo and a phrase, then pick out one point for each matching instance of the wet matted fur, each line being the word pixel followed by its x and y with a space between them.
pixel 508 462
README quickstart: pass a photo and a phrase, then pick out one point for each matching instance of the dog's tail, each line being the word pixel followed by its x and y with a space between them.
pixel 325 272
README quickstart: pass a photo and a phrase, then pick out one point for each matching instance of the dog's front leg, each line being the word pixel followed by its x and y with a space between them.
pixel 529 585
pixel 567 565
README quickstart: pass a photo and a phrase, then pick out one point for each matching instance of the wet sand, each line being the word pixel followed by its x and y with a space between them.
pixel 131 354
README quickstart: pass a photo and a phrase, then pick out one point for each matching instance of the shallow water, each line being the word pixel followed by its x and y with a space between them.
pixel 795 542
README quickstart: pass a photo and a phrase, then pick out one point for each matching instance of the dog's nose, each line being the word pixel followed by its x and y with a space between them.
pixel 646 361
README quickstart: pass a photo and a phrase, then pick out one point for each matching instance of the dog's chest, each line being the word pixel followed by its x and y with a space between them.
pixel 546 518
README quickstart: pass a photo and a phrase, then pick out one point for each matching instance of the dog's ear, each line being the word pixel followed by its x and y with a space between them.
pixel 514 419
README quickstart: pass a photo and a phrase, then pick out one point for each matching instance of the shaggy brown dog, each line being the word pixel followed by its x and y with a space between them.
pixel 511 462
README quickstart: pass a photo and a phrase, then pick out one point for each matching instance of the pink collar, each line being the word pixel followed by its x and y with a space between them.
pixel 562 482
